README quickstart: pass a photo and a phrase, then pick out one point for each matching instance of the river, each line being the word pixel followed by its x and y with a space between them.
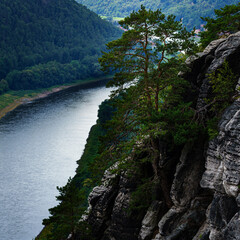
pixel 40 143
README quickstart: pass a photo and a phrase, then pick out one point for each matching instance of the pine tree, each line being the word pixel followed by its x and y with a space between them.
pixel 149 91
pixel 66 215
pixel 226 21
pixel 143 53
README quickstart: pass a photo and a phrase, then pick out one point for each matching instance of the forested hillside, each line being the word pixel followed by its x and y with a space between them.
pixel 48 42
pixel 189 10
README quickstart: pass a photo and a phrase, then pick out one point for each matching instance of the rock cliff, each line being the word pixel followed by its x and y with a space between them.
pixel 204 177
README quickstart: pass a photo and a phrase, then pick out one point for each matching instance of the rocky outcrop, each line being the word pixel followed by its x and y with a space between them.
pixel 223 156
pixel 205 189
pixel 222 176
pixel 150 220
pixel 109 203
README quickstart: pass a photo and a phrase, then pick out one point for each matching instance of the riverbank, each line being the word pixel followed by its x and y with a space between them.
pixel 12 99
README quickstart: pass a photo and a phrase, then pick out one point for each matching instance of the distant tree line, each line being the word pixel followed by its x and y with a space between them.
pixel 189 11
pixel 51 73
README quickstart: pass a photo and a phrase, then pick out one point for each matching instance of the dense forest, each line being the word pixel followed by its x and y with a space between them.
pixel 49 42
pixel 189 11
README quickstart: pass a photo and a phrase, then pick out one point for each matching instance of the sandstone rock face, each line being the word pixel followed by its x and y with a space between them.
pixel 223 156
pixel 205 189
pixel 150 220
pixel 122 224
pixel 222 176
pixel 232 230
pixel 108 214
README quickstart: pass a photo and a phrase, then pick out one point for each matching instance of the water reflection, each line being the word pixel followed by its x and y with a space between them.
pixel 39 145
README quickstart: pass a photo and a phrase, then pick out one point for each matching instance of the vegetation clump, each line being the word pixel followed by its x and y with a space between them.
pixel 225 22
pixel 223 82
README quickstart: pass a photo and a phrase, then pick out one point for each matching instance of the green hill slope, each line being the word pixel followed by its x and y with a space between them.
pixel 189 10
pixel 48 42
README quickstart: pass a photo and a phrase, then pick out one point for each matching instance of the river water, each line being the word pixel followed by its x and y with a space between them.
pixel 40 143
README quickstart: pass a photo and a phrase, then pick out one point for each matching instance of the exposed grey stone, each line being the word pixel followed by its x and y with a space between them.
pixel 150 220
pixel 96 193
pixel 190 60
pixel 232 231
pixel 109 175
pixel 188 174
pixel 101 201
pixel 203 232
pixel 122 225
pixel 213 45
pixel 238 200
pixel 223 156
pixel 223 209
pixel 168 219
pixel 181 224
pixel 224 50
pixel 208 50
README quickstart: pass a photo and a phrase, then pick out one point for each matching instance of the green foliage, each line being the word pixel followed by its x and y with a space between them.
pixel 141 198
pixel 50 74
pixel 44 43
pixel 225 21
pixel 223 82
pixel 189 11
pixel 84 173
pixel 149 98
pixel 149 92
pixel 179 124
pixel 142 53
pixel 43 235
pixel 148 110
pixel 212 127
pixel 4 87
pixel 66 215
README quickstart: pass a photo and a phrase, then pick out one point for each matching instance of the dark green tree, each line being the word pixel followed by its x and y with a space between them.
pixel 65 216
pixel 145 53
pixel 226 21
pixel 149 90
pixel 3 86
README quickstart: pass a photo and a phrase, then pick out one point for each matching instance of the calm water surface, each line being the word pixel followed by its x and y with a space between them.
pixel 39 145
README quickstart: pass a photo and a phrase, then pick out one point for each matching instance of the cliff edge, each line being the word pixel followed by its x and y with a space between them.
pixel 203 176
